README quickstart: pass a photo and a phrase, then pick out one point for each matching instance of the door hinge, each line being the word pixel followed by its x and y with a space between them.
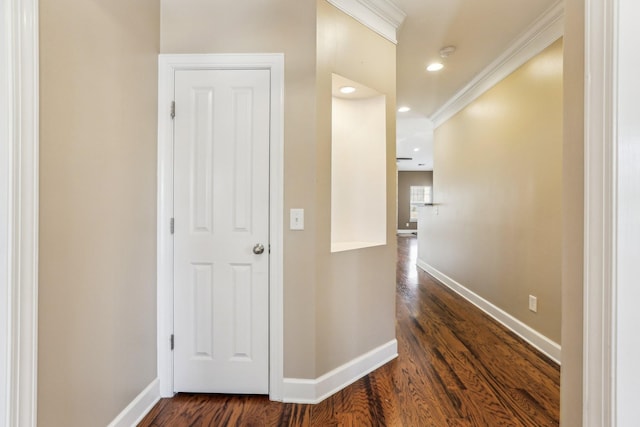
pixel 269 248
pixel 171 225
pixel 173 109
pixel 171 341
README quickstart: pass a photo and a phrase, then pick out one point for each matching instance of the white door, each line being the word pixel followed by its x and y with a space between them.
pixel 221 208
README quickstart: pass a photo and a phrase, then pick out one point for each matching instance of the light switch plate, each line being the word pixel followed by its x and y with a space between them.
pixel 296 219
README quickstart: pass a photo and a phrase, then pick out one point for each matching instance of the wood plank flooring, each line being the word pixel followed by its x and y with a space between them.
pixel 456 367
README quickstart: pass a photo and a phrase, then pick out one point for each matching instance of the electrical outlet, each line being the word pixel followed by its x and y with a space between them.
pixel 407 225
pixel 533 303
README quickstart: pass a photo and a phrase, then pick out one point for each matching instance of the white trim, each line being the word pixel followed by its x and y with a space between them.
pixel 6 175
pixel 548 28
pixel 168 65
pixel 599 329
pixel 139 407
pixel 408 231
pixel 381 16
pixel 19 142
pixel 164 240
pixel 297 390
pixel 626 211
pixel 315 391
pixel 530 335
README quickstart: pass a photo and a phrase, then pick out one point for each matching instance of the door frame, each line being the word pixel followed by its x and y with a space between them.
pixel 19 148
pixel 611 235
pixel 168 65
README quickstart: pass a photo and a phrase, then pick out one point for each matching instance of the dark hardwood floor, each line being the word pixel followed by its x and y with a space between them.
pixel 456 367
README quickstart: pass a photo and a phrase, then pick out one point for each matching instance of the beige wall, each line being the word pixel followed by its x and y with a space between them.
pixel 498 170
pixel 254 26
pixel 572 216
pixel 97 310
pixel 355 289
pixel 405 180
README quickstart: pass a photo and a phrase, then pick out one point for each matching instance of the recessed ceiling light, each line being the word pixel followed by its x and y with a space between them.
pixel 416 149
pixel 436 66
pixel 347 89
pixel 403 109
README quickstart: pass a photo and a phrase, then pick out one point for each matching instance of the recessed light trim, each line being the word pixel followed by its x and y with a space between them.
pixel 435 66
pixel 447 51
pixel 403 109
pixel 347 89
pixel 416 149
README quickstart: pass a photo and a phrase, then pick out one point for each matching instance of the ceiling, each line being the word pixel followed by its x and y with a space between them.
pixel 480 30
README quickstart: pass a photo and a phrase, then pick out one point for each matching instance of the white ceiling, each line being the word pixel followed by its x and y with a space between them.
pixel 481 31
pixel 414 139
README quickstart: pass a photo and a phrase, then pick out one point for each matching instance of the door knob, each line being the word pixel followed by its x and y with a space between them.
pixel 258 249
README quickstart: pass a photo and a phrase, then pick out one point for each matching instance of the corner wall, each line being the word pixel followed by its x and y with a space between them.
pixel 97 286
pixel 355 289
pixel 497 226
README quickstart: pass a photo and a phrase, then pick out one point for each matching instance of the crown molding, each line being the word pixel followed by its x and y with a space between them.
pixel 548 28
pixel 381 16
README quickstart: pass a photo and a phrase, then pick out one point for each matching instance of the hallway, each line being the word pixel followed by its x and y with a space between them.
pixel 456 367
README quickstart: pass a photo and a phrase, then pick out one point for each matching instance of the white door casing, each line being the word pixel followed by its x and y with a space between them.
pixel 19 148
pixel 221 208
pixel 611 347
pixel 169 65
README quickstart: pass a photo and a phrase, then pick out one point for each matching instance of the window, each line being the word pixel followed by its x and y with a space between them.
pixel 420 195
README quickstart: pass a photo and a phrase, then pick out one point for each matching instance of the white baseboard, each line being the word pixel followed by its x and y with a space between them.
pixel 139 407
pixel 530 335
pixel 315 391
pixel 406 231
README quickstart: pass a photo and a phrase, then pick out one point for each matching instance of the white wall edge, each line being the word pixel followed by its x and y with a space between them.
pixel 548 28
pixel 380 16
pixel 167 65
pixel 316 390
pixel 139 407
pixel 19 105
pixel 530 335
